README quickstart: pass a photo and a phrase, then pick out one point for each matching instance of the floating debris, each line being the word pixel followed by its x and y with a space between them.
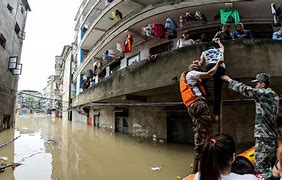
pixel 4 144
pixel 51 141
pixel 4 158
pixel 155 168
pixel 3 166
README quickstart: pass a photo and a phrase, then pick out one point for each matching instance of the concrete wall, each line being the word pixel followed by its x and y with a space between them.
pixel 238 120
pixel 107 118
pixel 152 120
pixel 79 117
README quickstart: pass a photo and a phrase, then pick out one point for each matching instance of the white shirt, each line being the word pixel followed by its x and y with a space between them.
pixel 232 176
pixel 182 42
pixel 192 79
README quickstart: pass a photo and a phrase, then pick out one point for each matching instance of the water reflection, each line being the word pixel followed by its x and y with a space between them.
pixel 83 152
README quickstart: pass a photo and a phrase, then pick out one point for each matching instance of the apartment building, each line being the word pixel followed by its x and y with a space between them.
pixel 135 82
pixel 12 34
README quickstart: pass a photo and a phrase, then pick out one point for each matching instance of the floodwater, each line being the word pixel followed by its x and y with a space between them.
pixel 51 148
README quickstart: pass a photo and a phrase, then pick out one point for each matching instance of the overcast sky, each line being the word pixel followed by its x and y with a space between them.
pixel 50 26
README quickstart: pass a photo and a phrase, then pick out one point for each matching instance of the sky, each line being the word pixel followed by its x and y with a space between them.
pixel 49 27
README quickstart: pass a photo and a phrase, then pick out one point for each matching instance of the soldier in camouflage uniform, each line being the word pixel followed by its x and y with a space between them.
pixel 266 130
pixel 197 107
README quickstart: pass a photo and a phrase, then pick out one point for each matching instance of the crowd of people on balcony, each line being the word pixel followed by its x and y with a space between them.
pixel 169 29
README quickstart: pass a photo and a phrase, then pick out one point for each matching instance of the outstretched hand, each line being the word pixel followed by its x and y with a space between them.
pixel 217 40
pixel 219 62
pixel 226 78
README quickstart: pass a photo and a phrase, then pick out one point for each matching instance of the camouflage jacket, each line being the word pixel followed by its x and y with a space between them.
pixel 267 104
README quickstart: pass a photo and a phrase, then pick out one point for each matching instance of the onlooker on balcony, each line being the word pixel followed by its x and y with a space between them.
pixel 185 40
pixel 277 35
pixel 90 76
pixel 203 38
pixel 241 33
pixel 224 34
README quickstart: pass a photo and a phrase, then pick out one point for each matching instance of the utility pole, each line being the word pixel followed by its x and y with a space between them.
pixel 70 83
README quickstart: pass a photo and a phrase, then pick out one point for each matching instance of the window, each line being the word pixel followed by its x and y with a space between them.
pixel 114 67
pixel 10 8
pixel 17 29
pixel 2 41
pixel 160 48
pixel 133 59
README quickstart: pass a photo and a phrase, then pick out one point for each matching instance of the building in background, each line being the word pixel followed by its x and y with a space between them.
pixel 12 33
pixel 64 67
pixel 30 101
pixel 51 93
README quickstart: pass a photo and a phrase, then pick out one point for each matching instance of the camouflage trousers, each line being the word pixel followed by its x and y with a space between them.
pixel 265 155
pixel 199 112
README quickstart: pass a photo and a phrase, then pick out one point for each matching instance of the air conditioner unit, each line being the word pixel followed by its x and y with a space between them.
pixel 21 35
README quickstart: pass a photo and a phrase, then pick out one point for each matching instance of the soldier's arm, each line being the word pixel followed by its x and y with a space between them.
pixel 242 88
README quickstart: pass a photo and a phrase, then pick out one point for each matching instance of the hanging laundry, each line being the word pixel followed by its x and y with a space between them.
pixel 171 26
pixel 276 12
pixel 200 17
pixel 188 16
pixel 128 44
pixel 119 47
pixel 105 56
pixel 226 12
pixel 111 53
pixel 116 15
pixel 148 31
pixel 158 30
pixel 107 2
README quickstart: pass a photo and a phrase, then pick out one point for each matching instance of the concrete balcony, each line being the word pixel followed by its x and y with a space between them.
pixel 98 42
pixel 157 81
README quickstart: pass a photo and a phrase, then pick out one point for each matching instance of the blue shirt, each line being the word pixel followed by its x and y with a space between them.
pixel 276 36
pixel 245 34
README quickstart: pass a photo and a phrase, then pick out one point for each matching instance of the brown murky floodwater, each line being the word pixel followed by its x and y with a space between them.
pixel 83 152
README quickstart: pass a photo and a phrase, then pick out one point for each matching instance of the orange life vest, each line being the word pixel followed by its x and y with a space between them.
pixel 187 94
pixel 190 177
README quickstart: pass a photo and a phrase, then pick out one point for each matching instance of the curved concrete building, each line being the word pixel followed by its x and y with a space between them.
pixel 136 92
pixel 13 16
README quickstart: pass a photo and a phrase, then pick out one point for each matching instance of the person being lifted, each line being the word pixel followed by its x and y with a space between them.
pixel 210 57
pixel 192 93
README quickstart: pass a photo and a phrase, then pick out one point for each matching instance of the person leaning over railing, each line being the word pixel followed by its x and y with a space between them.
pixel 277 35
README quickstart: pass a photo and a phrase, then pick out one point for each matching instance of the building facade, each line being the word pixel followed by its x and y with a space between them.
pixel 65 76
pixel 51 93
pixel 134 88
pixel 12 33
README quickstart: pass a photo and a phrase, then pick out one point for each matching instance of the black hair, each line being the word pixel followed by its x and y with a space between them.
pixel 242 165
pixel 216 155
